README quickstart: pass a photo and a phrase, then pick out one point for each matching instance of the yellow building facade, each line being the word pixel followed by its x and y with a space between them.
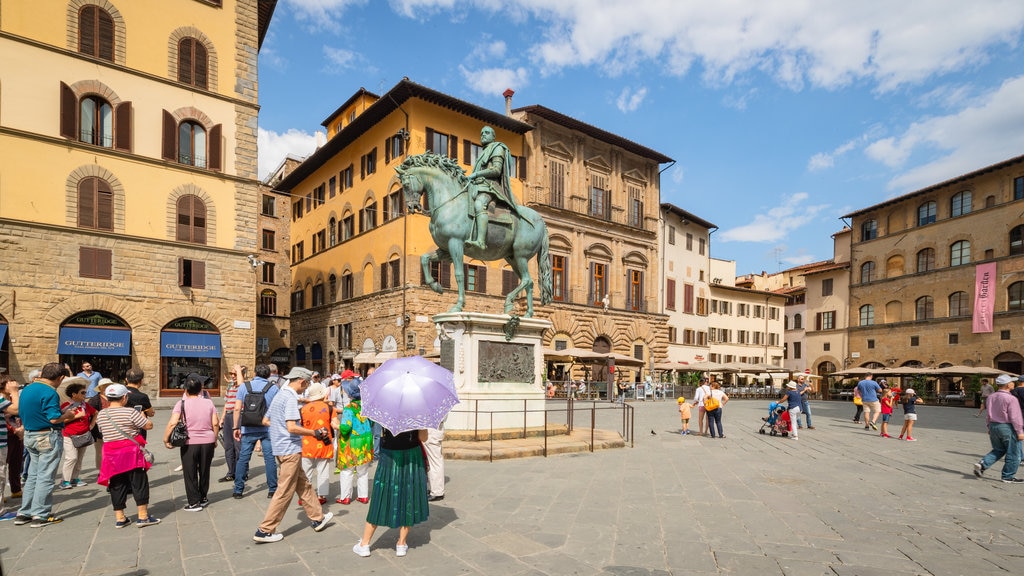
pixel 128 192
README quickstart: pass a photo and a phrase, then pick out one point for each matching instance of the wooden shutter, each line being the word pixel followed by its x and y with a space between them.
pixel 670 294
pixel 467 148
pixel 104 205
pixel 387 150
pixel 215 157
pixel 453 147
pixel 185 60
pixel 481 279
pixel 86 205
pixel 200 68
pixel 590 290
pixel 103 263
pixel 362 167
pixel 87 30
pixel 198 221
pixel 123 126
pixel 105 36
pixel 383 275
pixel 68 112
pixel 170 133
pixel 430 140
pixel 198 274
pixel 94 262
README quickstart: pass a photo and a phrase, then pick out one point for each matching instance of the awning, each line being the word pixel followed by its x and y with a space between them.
pixel 384 357
pixel 94 341
pixel 189 345
pixel 364 358
pixel 3 332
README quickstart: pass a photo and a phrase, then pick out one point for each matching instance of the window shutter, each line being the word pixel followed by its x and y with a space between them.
pixel 185 60
pixel 198 274
pixel 466 150
pixel 68 111
pixel 104 206
pixel 387 213
pixel 383 275
pixel 198 221
pixel 123 126
pixel 215 154
pixel 87 30
pixel 181 271
pixel 446 274
pixel 481 279
pixel 86 195
pixel 521 165
pixel 430 140
pixel 387 150
pixel 590 290
pixel 170 131
pixel 103 264
pixel 105 36
pixel 453 147
pixel 199 57
pixel 86 262
pixel 362 167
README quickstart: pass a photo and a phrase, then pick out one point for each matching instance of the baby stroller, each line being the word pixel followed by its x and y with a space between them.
pixel 777 421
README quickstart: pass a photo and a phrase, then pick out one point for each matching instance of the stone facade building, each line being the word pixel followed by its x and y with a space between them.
pixel 129 185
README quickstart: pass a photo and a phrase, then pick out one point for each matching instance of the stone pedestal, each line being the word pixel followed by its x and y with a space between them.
pixel 497 361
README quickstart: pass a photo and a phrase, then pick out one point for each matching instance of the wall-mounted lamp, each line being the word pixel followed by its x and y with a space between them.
pixel 403 134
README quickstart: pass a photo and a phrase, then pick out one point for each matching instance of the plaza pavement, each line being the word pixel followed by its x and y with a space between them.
pixel 839 501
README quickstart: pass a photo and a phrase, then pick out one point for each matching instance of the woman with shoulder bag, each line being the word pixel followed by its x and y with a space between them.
pixel 124 456
pixel 199 416
pixel 77 436
pixel 713 405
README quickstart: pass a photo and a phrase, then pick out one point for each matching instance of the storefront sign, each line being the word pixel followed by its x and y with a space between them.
pixel 95 341
pixel 189 345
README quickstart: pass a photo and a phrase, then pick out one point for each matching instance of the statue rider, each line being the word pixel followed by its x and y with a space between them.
pixel 490 180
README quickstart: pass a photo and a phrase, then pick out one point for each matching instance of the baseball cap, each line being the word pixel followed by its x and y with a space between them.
pixel 347 374
pixel 116 390
pixel 298 373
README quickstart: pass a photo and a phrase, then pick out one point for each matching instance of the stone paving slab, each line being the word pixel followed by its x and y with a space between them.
pixel 839 501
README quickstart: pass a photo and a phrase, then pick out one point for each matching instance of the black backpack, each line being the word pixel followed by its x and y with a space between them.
pixel 254 407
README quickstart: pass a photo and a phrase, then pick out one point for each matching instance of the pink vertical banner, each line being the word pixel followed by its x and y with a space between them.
pixel 984 297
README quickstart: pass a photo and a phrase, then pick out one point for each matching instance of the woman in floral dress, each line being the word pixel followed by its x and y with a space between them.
pixel 355 447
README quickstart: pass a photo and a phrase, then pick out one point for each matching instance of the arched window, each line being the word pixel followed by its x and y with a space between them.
pixel 95 204
pixel 192 144
pixel 268 303
pixel 1015 293
pixel 96 122
pixel 191 219
pixel 347 286
pixel 333 231
pixel 960 253
pixel 867 315
pixel 926 213
pixel 925 308
pixel 93 119
pixel 96 33
pixel 1017 240
pixel 332 287
pixel 798 321
pixel 318 295
pixel 869 230
pixel 867 272
pixel 960 204
pixel 926 260
pixel 192 63
pixel 959 304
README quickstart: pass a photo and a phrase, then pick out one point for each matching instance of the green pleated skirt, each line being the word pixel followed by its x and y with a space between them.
pixel 399 489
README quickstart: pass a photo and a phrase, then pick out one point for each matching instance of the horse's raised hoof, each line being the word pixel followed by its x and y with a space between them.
pixel 436 287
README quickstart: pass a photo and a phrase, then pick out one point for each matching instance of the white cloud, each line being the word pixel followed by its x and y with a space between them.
pixel 273 147
pixel 775 223
pixel 827 44
pixel 494 81
pixel 321 14
pixel 340 59
pixel 823 160
pixel 630 100
pixel 989 131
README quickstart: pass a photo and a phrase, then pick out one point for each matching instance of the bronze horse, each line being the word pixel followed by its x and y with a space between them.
pixel 450 206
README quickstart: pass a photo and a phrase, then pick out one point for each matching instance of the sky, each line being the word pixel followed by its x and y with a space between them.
pixel 781 116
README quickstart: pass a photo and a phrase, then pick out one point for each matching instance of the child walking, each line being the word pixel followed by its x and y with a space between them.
pixel 887 400
pixel 910 402
pixel 684 415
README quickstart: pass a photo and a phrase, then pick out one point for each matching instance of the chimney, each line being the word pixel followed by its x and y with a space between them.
pixel 508 93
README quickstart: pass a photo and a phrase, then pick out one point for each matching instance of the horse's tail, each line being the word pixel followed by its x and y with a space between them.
pixel 544 265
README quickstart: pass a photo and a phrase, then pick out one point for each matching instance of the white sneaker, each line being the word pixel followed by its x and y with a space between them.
pixel 401 550
pixel 361 550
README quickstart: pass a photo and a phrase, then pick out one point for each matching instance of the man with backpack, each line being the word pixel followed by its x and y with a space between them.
pixel 251 403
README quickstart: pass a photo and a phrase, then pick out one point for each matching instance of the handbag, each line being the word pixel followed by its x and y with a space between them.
pixel 179 434
pixel 82 440
pixel 147 455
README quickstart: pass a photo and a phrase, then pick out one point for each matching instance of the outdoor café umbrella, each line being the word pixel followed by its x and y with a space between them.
pixel 408 393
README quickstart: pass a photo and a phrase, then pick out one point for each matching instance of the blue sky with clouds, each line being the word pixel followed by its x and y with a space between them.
pixel 781 116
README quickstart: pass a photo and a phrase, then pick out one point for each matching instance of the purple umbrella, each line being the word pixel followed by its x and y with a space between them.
pixel 408 393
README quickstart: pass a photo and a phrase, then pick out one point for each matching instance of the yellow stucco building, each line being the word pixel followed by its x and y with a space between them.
pixel 128 191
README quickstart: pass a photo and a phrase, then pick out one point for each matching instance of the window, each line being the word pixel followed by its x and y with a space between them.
pixel 94 263
pixel 262 345
pixel 960 253
pixel 598 283
pixel 798 322
pixel 187 142
pixel 600 197
pixel 298 300
pixel 96 33
pixel 742 309
pixel 390 275
pixel 926 260
pixel 96 124
pixel 1015 296
pixel 689 242
pixel 670 294
pixel 959 304
pixel 826 346
pixel 268 239
pixel 635 291
pixel 672 235
pixel 797 350
pixel 758 311
pixel 348 227
pixel 867 272
pixel 332 231
pixel 636 209
pixel 368 163
pixel 558 287
pixel 191 273
pixel 672 338
pixel 1017 240
pixel 347 286
pixel 508 282
pixel 345 336
pixel 867 315
pixel 319 241
pixel 825 320
pixel 688 298
pixel 476 278
pixel 926 213
pixel 346 178
pixel 268 273
pixel 192 63
pixel 556 171
pixel 1018 188
pixel 394 147
pixel 297 210
pixel 443 144
pixel 332 187
pixel 393 206
pixel 268 303
pixel 368 217
pixel 826 287
pixel 268 205
pixel 298 252
pixel 702 306
pixel 869 230
pixel 960 204
pixel 954 338
pixel 95 204
pixel 442 273
pixel 915 340
pixel 1004 334
pixel 191 219
pixel 318 195
pixel 701 246
pixel 332 292
pixel 871 344
pixel 925 308
pixel 318 295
